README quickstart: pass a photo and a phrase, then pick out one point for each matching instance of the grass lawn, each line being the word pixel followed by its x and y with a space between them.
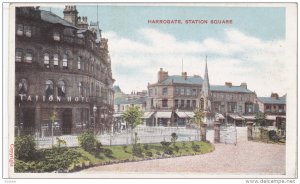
pixel 124 153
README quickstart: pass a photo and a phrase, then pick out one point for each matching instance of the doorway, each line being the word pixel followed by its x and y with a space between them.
pixel 67 121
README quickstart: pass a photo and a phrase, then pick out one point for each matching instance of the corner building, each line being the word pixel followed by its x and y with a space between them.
pixel 62 65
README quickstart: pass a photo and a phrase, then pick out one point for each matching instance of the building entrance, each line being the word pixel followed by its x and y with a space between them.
pixel 28 119
pixel 67 121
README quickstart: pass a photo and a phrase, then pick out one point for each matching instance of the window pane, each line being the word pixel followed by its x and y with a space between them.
pixel 56 36
pixel 28 57
pixel 19 53
pixel 27 31
pixel 55 60
pixel 20 29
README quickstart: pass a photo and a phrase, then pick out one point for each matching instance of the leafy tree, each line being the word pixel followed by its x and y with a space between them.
pixel 133 116
pixel 199 118
pixel 260 119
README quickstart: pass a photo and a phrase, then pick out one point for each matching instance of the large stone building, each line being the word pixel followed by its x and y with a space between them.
pixel 172 99
pixel 62 65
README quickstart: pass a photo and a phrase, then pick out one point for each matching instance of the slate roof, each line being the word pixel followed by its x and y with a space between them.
pixel 52 18
pixel 125 100
pixel 270 100
pixel 224 88
pixel 178 79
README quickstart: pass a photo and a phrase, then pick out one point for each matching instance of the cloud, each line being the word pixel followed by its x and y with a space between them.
pixel 237 58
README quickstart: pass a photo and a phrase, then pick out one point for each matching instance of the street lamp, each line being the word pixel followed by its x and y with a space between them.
pixel 94 111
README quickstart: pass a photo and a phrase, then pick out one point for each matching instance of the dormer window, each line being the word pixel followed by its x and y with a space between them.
pixel 56 36
pixel 27 31
pixel 20 30
pixel 28 57
pixel 46 60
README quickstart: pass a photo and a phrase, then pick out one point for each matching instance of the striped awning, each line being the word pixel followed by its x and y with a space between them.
pixel 249 117
pixel 162 114
pixel 236 117
pixel 185 114
pixel 147 115
pixel 219 116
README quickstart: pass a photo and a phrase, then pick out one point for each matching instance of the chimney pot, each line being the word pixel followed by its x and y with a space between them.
pixel 229 84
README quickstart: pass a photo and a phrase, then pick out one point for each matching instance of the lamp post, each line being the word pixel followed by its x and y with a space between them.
pixel 94 111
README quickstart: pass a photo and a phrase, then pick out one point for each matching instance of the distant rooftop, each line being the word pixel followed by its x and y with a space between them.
pixel 128 100
pixel 52 18
pixel 272 100
pixel 180 80
pixel 225 88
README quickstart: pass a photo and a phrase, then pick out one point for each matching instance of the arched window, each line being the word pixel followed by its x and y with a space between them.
pixel 23 86
pixel 79 63
pixel 20 29
pixel 19 54
pixel 49 91
pixel 80 88
pixel 202 103
pixel 46 60
pixel 55 60
pixel 56 36
pixel 27 31
pixel 65 61
pixel 61 88
pixel 28 57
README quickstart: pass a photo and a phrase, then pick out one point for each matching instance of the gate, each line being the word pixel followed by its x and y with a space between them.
pixel 228 134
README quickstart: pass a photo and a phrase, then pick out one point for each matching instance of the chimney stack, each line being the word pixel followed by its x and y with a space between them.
pixel 70 15
pixel 184 75
pixel 274 95
pixel 82 22
pixel 229 84
pixel 244 85
pixel 162 75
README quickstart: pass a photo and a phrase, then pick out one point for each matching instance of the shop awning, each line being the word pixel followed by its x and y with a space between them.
pixel 249 117
pixel 182 114
pixel 271 117
pixel 236 117
pixel 219 116
pixel 147 115
pixel 161 114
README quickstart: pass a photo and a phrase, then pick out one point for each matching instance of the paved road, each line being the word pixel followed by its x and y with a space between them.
pixel 246 157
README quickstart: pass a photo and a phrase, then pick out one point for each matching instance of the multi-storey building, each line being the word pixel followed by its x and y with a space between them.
pixel 62 65
pixel 172 99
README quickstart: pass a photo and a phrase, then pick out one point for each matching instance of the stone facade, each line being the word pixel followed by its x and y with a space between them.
pixel 62 68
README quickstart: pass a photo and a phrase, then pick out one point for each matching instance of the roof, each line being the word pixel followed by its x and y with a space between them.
pixel 52 18
pixel 126 100
pixel 224 88
pixel 270 100
pixel 180 80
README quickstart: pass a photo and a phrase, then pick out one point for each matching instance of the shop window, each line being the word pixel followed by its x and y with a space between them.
pixel 28 31
pixel 61 88
pixel 65 61
pixel 23 86
pixel 20 30
pixel 49 91
pixel 55 60
pixel 46 60
pixel 28 57
pixel 19 53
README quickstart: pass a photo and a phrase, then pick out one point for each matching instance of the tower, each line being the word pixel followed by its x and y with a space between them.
pixel 205 93
pixel 70 14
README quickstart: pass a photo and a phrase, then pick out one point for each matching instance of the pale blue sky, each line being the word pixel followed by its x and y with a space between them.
pixel 249 50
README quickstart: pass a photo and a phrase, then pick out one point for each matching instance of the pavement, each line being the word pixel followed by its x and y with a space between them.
pixel 246 157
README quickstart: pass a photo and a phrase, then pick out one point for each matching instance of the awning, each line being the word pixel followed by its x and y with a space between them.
pixel 249 117
pixel 219 116
pixel 271 117
pixel 236 117
pixel 117 115
pixel 182 114
pixel 161 114
pixel 147 115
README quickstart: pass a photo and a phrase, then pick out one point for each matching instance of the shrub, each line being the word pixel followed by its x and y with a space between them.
pixel 149 154
pixel 137 150
pixel 168 151
pixel 25 148
pixel 165 144
pixel 166 147
pixel 273 136
pixel 195 147
pixel 146 146
pixel 158 153
pixel 107 152
pixel 176 148
pixel 88 142
pixel 124 148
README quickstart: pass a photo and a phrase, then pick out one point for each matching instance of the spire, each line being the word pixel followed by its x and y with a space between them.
pixel 206 89
pixel 206 78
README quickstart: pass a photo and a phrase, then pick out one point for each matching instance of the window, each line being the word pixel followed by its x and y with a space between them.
pixel 194 103
pixel 65 61
pixel 23 86
pixel 55 60
pixel 56 36
pixel 232 107
pixel 165 102
pixel 80 88
pixel 202 103
pixel 61 88
pixel 155 91
pixel 249 108
pixel 27 31
pixel 165 91
pixel 177 91
pixel 182 103
pixel 182 91
pixel 188 92
pixel 19 53
pixel 20 30
pixel 49 89
pixel 28 57
pixel 151 103
pixel 150 92
pixel 46 60
pixel 176 104
pixel 194 92
pixel 240 108
pixel 188 103
pixel 97 90
pixel 79 63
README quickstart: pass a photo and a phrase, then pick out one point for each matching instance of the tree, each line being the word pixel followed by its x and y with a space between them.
pixel 260 119
pixel 198 119
pixel 133 116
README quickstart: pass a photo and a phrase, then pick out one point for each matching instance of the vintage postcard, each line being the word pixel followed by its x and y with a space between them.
pixel 151 90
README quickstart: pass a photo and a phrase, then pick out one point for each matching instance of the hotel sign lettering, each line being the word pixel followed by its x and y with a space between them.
pixel 36 98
